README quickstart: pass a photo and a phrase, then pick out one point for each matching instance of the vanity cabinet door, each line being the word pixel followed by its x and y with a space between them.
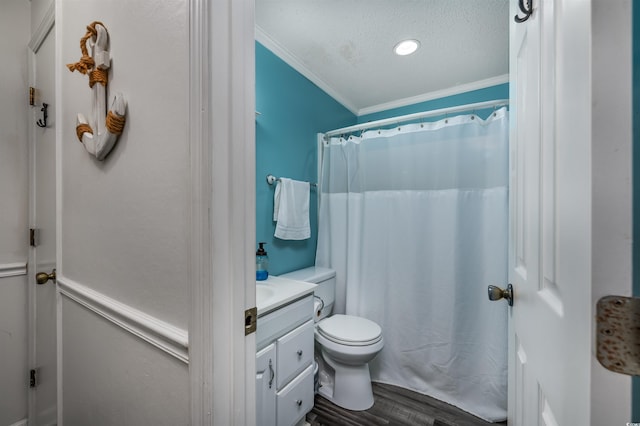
pixel 266 386
pixel 295 353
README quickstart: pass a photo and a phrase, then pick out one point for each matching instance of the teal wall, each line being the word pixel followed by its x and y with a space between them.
pixel 500 91
pixel 293 110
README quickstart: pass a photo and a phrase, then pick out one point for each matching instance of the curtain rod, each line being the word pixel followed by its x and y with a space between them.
pixel 417 116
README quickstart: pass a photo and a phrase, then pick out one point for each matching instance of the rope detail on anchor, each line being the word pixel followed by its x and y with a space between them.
pixel 98 76
pixel 82 129
pixel 86 62
pixel 102 134
pixel 115 123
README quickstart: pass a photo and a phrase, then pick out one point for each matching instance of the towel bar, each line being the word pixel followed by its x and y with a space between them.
pixel 271 179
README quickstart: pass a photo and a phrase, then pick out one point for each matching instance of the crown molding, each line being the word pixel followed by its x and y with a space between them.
pixel 291 60
pixel 438 94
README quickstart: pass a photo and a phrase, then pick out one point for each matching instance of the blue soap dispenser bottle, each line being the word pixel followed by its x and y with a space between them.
pixel 262 263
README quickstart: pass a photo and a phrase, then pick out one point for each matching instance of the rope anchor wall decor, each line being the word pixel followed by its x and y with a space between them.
pixel 99 136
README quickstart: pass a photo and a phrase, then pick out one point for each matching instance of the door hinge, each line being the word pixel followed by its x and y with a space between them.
pixel 33 378
pixel 250 320
pixel 617 337
pixel 32 96
pixel 33 237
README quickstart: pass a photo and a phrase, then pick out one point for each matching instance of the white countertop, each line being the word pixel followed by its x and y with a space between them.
pixel 275 292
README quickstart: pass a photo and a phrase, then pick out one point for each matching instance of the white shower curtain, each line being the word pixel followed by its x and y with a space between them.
pixel 414 221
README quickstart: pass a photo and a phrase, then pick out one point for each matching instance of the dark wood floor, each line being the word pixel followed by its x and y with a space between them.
pixel 394 406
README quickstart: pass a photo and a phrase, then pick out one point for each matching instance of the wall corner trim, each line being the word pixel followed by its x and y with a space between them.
pixel 43 28
pixel 160 334
pixel 13 269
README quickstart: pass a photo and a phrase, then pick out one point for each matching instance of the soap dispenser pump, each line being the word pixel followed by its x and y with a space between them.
pixel 262 263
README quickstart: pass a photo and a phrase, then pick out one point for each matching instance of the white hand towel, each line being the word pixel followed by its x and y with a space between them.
pixel 291 210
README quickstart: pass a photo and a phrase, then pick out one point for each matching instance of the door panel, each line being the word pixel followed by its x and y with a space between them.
pixel 553 375
pixel 524 216
pixel 542 339
pixel 43 255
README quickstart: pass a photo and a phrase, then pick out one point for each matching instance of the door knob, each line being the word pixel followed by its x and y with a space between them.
pixel 496 293
pixel 43 277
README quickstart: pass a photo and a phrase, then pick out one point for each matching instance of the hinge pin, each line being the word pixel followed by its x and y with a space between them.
pixel 32 378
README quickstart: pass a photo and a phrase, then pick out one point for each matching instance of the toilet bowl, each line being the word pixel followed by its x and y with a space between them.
pixel 346 344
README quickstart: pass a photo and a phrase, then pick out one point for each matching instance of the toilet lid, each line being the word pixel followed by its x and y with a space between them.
pixel 350 330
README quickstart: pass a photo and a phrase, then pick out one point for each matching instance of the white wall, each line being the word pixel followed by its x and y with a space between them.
pixel 13 350
pixel 124 221
pixel 612 145
pixel 117 379
pixel 14 36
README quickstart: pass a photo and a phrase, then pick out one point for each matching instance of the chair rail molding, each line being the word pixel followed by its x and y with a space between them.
pixel 160 334
pixel 13 269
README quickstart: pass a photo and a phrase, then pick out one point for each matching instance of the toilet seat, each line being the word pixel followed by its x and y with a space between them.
pixel 350 330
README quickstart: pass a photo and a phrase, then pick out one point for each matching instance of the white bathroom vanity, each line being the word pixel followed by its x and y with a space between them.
pixel 284 344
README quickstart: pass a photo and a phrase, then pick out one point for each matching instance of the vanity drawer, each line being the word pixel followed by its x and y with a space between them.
pixel 294 353
pixel 296 399
pixel 275 324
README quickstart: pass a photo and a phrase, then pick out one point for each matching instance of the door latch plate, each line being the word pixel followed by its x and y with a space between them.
pixel 618 334
pixel 250 320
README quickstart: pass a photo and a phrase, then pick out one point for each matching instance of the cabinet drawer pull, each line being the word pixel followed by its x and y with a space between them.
pixel 299 402
pixel 272 374
pixel 299 352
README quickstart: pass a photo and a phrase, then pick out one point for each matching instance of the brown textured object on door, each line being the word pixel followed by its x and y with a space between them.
pixel 618 334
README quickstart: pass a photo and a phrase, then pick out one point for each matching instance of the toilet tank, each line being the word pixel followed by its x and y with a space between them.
pixel 325 278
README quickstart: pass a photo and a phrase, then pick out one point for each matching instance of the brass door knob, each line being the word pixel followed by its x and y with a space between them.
pixel 496 293
pixel 43 277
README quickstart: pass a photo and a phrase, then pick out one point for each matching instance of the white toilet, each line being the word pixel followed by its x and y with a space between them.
pixel 347 344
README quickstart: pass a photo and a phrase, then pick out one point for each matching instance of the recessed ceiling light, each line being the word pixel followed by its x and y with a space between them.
pixel 406 47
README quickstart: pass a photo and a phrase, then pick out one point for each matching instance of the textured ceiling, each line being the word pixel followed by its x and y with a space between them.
pixel 346 46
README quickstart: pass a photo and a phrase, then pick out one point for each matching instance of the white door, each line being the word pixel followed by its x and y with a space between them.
pixel 553 376
pixel 42 398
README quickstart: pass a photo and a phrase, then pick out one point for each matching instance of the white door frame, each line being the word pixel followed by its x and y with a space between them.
pixel 38 37
pixel 221 136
